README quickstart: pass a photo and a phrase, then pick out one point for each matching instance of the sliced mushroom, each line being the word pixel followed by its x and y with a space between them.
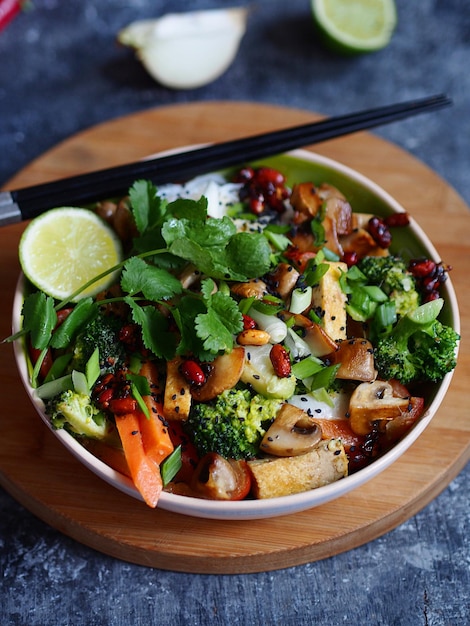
pixel 332 241
pixel 361 242
pixel 396 428
pixel 217 478
pixel 283 280
pixel 292 433
pixel 340 211
pixel 303 242
pixel 306 202
pixel 374 402
pixel 326 191
pixel 255 288
pixel 360 220
pixel 225 374
pixel 318 340
pixel 356 359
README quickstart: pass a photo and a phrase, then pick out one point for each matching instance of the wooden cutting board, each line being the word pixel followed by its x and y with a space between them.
pixel 48 481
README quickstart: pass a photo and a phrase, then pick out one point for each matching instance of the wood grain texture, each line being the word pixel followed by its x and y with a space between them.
pixel 46 479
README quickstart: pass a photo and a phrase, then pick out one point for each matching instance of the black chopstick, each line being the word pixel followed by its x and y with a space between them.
pixel 27 202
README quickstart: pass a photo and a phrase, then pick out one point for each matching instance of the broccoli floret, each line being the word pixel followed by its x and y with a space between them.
pixel 419 347
pixel 103 333
pixel 391 274
pixel 76 413
pixel 233 424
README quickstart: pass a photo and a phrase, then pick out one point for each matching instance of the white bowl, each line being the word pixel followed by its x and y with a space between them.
pixel 299 166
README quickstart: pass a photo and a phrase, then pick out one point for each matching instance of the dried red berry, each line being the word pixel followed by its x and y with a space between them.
pixel 397 219
pixel 248 322
pixel 379 232
pixel 421 267
pixel 193 373
pixel 267 175
pixel 244 175
pixel 350 258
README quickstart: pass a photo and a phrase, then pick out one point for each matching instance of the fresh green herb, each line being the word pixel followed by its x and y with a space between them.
pixel 92 370
pixel 39 319
pixel 80 315
pixel 171 466
pixel 222 320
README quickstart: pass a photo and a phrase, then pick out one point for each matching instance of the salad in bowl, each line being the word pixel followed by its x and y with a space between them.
pixel 259 342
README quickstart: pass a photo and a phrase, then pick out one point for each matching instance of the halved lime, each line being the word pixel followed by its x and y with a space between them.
pixel 65 248
pixel 355 26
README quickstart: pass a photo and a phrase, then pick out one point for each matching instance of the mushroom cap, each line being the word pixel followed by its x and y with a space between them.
pixel 292 433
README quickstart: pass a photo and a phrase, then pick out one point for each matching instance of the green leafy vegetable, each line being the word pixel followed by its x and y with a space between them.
pixel 40 318
pixel 153 282
pixel 222 320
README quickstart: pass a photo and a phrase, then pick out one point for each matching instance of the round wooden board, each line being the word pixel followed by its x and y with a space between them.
pixel 47 480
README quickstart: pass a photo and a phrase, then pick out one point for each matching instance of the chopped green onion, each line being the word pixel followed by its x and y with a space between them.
pixel 324 377
pixel 385 314
pixel 315 273
pixel 58 367
pixel 92 368
pixel 269 305
pixel 140 401
pixel 296 345
pixel 318 232
pixel 275 327
pixel 354 274
pixel 322 395
pixel 277 240
pixel 245 305
pixel 375 293
pixel 171 466
pixel 306 367
pixel 330 255
pixel 54 387
pixel 80 383
pixel 301 299
pixel 37 367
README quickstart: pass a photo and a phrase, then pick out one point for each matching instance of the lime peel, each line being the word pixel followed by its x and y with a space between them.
pixel 65 248
pixel 355 27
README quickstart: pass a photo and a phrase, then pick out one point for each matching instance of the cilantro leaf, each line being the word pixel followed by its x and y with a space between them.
pixel 185 317
pixel 206 232
pixel 153 282
pixel 155 330
pixel 147 207
pixel 209 261
pixel 250 253
pixel 222 320
pixel 189 209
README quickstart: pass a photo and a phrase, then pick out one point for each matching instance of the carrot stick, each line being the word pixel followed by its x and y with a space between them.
pixel 155 436
pixel 144 471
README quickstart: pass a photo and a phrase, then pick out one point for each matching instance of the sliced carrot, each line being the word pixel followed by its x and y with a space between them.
pixel 155 436
pixel 145 472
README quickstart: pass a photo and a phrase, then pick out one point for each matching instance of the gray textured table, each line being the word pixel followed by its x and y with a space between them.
pixel 61 72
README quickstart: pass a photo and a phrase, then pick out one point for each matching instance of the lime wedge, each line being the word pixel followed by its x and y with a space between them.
pixel 64 248
pixel 355 26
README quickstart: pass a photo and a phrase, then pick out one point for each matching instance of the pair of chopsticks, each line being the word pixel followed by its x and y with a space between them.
pixel 28 202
